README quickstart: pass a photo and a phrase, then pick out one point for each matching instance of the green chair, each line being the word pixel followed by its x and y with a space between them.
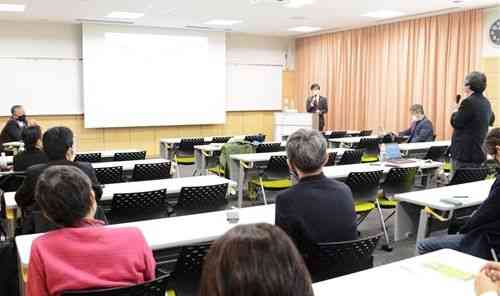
pixel 398 180
pixel 275 176
pixel 184 154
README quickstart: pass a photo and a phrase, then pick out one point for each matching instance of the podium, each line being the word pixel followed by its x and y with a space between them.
pixel 286 123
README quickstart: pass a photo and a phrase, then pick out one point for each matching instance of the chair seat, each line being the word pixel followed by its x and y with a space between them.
pixel 363 207
pixel 187 160
pixel 369 158
pixel 447 166
pixel 387 203
pixel 217 170
pixel 273 184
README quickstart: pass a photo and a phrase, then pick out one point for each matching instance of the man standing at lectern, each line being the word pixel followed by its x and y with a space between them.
pixel 317 104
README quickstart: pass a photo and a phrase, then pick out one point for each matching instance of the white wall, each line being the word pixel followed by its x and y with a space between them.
pixel 490 16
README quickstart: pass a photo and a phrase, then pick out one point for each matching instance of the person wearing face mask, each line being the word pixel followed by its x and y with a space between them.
pixel 13 129
pixel 484 224
pixel 470 124
pixel 317 104
pixel 317 209
pixel 421 129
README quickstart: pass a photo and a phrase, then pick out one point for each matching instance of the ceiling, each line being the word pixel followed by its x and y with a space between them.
pixel 262 18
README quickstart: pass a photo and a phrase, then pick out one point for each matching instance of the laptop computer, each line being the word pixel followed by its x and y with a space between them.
pixel 393 155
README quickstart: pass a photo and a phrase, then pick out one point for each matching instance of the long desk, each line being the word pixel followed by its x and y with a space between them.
pixel 127 165
pixel 168 145
pixel 243 166
pixel 420 149
pixel 173 186
pixel 349 141
pixel 412 211
pixel 407 277
pixel 109 154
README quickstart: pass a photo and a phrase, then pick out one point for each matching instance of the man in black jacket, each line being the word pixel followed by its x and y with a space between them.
pixel 317 209
pixel 470 123
pixel 13 129
pixel 484 225
pixel 317 104
pixel 58 145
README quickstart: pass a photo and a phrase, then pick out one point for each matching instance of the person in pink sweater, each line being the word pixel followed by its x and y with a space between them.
pixel 82 254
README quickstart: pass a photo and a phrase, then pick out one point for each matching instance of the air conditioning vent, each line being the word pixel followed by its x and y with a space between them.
pixel 103 21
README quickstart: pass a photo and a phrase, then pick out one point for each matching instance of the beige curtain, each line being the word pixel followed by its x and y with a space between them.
pixel 373 75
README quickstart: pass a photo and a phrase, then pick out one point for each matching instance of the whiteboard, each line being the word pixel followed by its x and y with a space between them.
pixel 253 87
pixel 43 86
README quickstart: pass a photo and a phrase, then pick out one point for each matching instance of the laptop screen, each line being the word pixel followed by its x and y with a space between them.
pixel 392 151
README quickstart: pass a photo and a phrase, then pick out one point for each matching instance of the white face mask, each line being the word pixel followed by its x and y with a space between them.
pixel 414 118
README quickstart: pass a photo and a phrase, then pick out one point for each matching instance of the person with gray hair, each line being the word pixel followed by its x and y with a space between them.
pixel 421 129
pixel 316 209
pixel 470 123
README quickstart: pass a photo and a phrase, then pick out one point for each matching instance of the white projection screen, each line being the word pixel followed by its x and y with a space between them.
pixel 152 77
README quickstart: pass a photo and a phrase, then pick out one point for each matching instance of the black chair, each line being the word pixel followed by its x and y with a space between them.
pixel 274 176
pixel 365 133
pixel 151 171
pixel 329 260
pixel 398 180
pixel 371 147
pixel 332 156
pixel 462 176
pixel 436 153
pixel 156 287
pixel 188 269
pixel 337 134
pixel 269 147
pixel 184 154
pixel 12 182
pixel 88 157
pixel 201 199
pixel 124 156
pixel 138 206
pixel 351 157
pixel 255 138
pixel 220 140
pixel 109 175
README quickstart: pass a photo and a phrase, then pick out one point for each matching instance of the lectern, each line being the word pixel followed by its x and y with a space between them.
pixel 286 123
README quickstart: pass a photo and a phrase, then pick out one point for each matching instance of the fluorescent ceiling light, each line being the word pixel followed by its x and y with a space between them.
pixel 12 7
pixel 221 22
pixel 299 3
pixel 125 15
pixel 304 29
pixel 384 14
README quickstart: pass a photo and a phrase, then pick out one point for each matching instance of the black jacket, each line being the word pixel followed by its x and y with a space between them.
pixel 25 195
pixel 420 131
pixel 317 210
pixel 25 159
pixel 11 132
pixel 470 125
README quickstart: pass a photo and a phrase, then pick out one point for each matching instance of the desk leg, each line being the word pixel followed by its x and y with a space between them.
pixel 163 152
pixel 11 222
pixel 241 185
pixel 199 162
pixel 406 220
pixel 422 228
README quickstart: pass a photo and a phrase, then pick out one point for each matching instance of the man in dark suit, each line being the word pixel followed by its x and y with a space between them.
pixel 470 123
pixel 421 129
pixel 13 129
pixel 317 104
pixel 58 145
pixel 483 228
pixel 317 209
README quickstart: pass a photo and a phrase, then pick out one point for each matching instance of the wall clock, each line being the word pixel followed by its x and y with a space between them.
pixel 495 33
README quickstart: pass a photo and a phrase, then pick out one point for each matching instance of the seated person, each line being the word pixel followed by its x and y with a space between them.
pixel 58 145
pixel 485 221
pixel 488 280
pixel 33 153
pixel 82 254
pixel 255 259
pixel 317 209
pixel 12 130
pixel 421 129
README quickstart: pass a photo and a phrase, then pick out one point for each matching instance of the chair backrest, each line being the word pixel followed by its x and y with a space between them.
pixel 124 156
pixel 330 260
pixel 364 185
pixel 186 146
pixel 337 134
pixel 462 176
pixel 188 269
pixel 370 145
pixel 201 199
pixel 436 153
pixel 332 156
pixel 351 157
pixel 12 182
pixel 151 171
pixel 269 147
pixel 365 133
pixel 220 140
pixel 255 138
pixel 399 180
pixel 156 287
pixel 88 157
pixel 137 206
pixel 277 167
pixel 109 175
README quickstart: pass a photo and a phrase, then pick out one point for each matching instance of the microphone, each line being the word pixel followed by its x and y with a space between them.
pixel 458 98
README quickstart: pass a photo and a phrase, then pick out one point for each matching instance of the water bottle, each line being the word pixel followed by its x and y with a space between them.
pixel 3 160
